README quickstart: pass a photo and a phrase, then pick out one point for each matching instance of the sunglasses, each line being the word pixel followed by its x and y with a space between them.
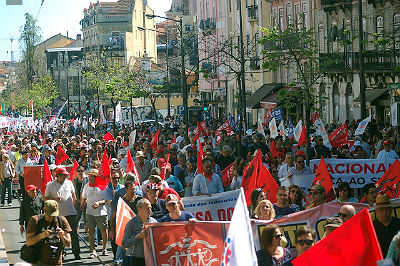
pixel 315 193
pixel 115 178
pixel 300 161
pixel 306 242
pixel 343 215
pixel 278 236
pixel 80 171
pixel 294 191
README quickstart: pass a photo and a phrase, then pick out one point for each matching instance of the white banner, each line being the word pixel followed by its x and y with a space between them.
pixel 217 207
pixel 16 122
pixel 357 172
pixel 303 181
pixel 393 107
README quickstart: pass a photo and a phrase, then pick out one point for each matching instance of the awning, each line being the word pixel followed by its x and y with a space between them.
pixel 264 91
pixel 371 95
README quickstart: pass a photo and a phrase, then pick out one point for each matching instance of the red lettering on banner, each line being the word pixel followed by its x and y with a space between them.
pixel 337 168
pixel 381 168
pixel 207 216
pixel 370 168
pixel 315 168
pixel 330 168
pixel 225 215
pixel 359 168
pixel 230 212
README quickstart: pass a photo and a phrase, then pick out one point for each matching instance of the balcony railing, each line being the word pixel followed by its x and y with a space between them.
pixel 252 12
pixel 349 61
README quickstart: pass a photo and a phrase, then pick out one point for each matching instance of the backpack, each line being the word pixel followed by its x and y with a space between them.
pixel 31 254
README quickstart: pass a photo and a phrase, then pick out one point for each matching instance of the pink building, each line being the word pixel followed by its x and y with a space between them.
pixel 211 23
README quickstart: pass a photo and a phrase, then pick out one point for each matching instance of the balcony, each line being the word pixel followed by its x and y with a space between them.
pixel 330 5
pixel 255 63
pixel 381 61
pixel 252 12
pixel 208 26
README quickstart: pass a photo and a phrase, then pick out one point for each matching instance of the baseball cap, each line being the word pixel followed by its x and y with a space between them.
pixel 152 186
pixel 171 199
pixel 31 187
pixel 61 170
pixel 317 188
pixel 51 208
pixel 333 222
pixel 139 154
pixel 386 142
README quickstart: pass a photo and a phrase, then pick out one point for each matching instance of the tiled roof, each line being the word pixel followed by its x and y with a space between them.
pixel 122 6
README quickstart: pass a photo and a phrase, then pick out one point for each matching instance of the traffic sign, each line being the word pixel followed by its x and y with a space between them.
pixel 205 116
pixel 180 109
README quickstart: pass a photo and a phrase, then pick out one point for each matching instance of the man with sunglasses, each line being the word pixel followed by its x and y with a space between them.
pixel 300 168
pixel 346 212
pixel 319 149
pixel 318 196
pixel 172 203
pixel 304 238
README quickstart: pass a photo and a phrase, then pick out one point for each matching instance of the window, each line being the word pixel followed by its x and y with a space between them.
pixel 248 43
pixel 274 18
pixel 396 31
pixel 297 15
pixel 379 25
pixel 349 102
pixel 336 102
pixel 289 14
pixel 187 28
pixel 281 23
pixel 305 16
pixel 230 5
pixel 256 39
pixel 321 38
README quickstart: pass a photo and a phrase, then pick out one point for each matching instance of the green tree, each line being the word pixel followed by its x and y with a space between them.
pixel 30 37
pixel 295 49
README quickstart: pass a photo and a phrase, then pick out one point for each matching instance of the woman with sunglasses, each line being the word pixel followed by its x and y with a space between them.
pixel 272 252
pixel 343 193
pixel 295 199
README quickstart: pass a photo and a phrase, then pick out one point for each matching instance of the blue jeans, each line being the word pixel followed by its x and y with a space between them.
pixel 7 185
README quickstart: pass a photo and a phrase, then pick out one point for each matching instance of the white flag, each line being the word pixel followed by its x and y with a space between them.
pixel 239 245
pixel 118 113
pixel 362 126
pixel 320 131
pixel 273 129
pixel 281 129
pixel 297 130
pixel 77 122
pixel 260 128
pixel 102 117
pixel 132 138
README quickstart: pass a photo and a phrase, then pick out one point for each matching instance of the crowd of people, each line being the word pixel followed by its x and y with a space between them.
pixel 168 171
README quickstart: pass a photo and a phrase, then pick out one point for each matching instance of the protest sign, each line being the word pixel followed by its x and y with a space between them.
pixel 357 172
pixel 33 174
pixel 218 207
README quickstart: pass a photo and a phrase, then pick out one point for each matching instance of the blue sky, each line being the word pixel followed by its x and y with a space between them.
pixel 56 16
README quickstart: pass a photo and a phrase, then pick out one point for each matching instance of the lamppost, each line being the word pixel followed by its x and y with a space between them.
pixel 184 89
pixel 167 62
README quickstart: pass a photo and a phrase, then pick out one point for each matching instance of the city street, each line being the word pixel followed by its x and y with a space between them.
pixel 13 240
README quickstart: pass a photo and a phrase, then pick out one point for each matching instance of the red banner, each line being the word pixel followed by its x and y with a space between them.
pixel 225 126
pixel 34 174
pixel 185 244
pixel 227 175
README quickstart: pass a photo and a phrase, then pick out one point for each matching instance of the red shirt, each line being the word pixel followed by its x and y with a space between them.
pixel 166 191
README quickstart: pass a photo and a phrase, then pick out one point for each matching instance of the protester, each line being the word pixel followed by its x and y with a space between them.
pixel 393 251
pixel 46 155
pixel 143 166
pixel 238 168
pixel 96 212
pixel 24 160
pixel 175 213
pixel 370 194
pixel 189 174
pixel 304 238
pixel 387 153
pixel 256 197
pixel 331 224
pixel 386 226
pixel 52 230
pixel 207 183
pixel 318 196
pixel 135 233
pixel 157 205
pixel 281 206
pixel 319 150
pixel 300 168
pixel 79 183
pixel 344 193
pixel 272 252
pixel 295 198
pixel 346 212
pixel 63 191
pixel 7 172
pixel 283 170
pixel 30 206
pixel 265 210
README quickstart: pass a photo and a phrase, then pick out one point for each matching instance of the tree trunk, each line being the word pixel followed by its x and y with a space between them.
pixel 115 116
pixel 132 125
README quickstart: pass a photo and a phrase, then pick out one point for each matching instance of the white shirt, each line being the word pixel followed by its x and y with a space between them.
pixel 93 194
pixel 66 204
pixel 384 155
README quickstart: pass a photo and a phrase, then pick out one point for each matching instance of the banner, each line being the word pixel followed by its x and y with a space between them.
pixel 34 174
pixel 184 244
pixel 303 181
pixel 218 207
pixel 273 128
pixel 320 131
pixel 357 172
pixel 16 122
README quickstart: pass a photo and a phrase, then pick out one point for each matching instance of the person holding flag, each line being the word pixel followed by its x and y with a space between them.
pixel 207 183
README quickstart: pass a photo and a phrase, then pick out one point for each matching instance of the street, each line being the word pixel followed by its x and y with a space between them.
pixel 13 240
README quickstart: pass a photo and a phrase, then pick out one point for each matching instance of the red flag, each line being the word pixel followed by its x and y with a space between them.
pixel 73 174
pixel 173 141
pixel 227 175
pixel 130 165
pixel 61 156
pixel 31 103
pixel 154 141
pixel 46 177
pixel 225 126
pixel 353 243
pixel 203 127
pixel 323 178
pixel 255 176
pixel 124 215
pixel 103 178
pixel 164 168
pixel 303 137
pixel 274 151
pixel 389 183
pixel 107 137
pixel 339 137
pixel 200 157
